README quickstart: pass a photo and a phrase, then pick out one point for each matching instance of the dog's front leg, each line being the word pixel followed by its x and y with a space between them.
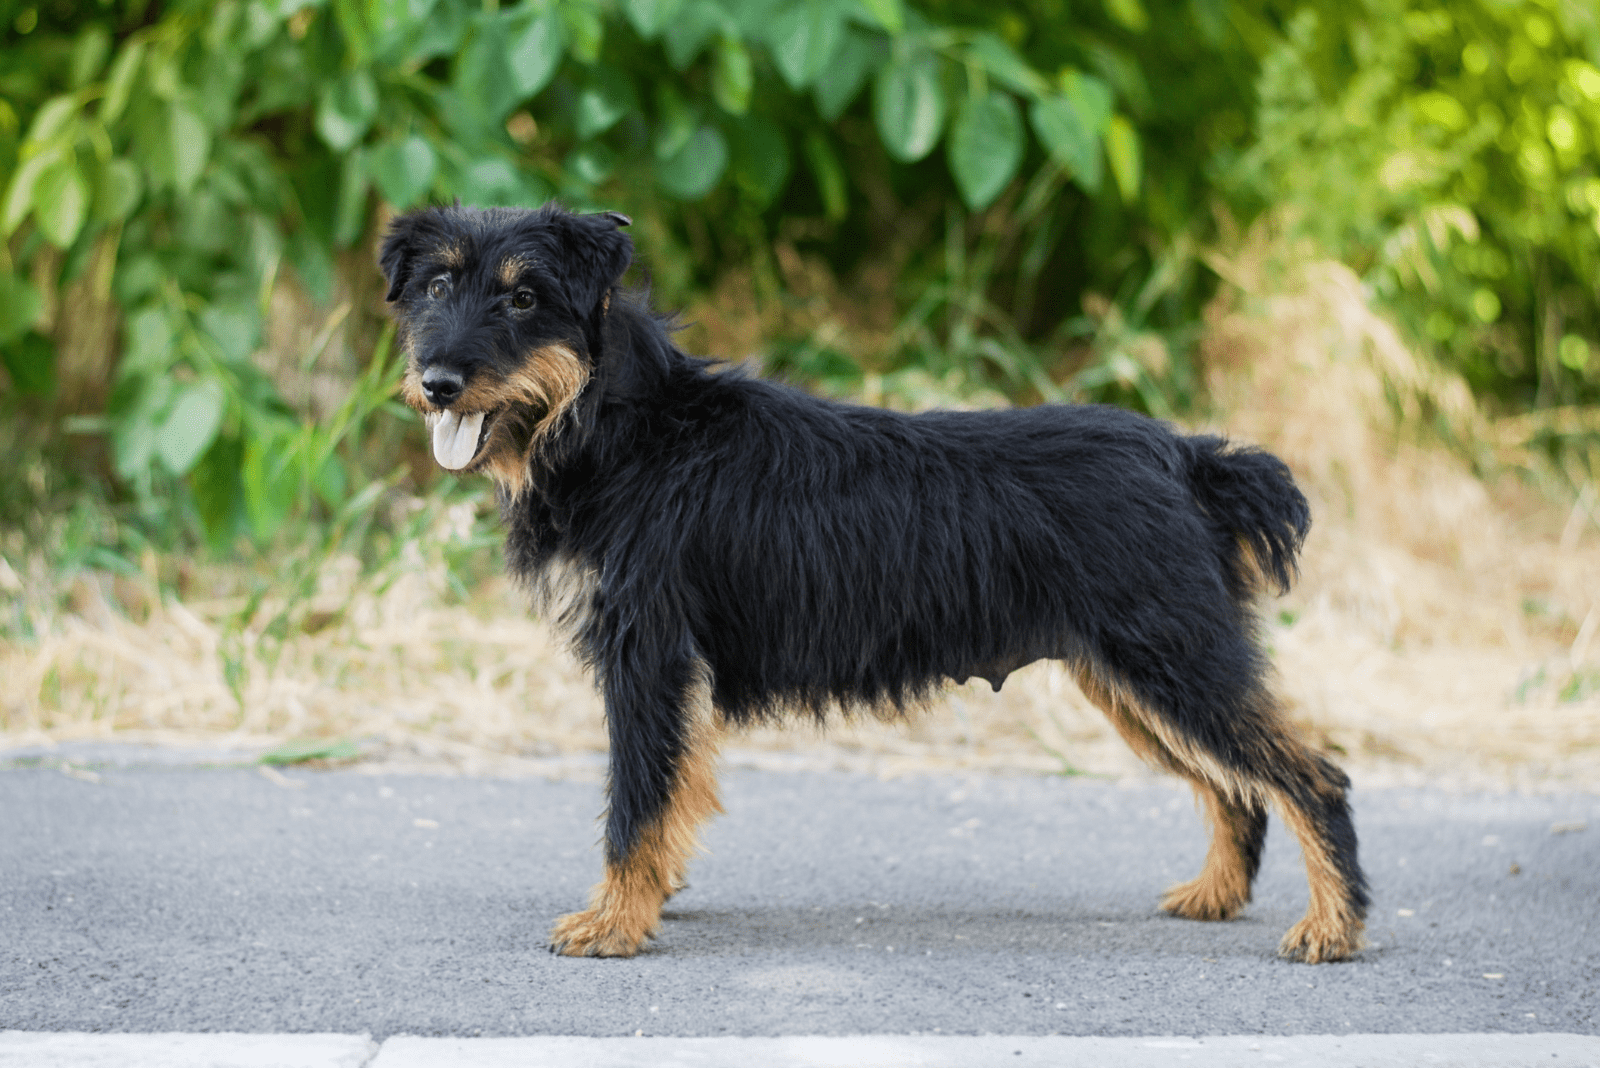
pixel 662 787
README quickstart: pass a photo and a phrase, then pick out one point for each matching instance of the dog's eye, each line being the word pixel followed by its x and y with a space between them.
pixel 522 299
pixel 439 287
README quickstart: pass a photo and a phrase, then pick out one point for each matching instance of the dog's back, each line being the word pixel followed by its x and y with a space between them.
pixel 823 553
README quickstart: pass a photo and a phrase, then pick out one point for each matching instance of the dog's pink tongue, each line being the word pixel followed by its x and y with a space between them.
pixel 455 439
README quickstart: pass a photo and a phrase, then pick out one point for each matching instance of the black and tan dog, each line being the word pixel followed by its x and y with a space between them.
pixel 723 550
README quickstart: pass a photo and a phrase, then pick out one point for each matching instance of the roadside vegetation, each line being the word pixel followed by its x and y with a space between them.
pixel 1366 235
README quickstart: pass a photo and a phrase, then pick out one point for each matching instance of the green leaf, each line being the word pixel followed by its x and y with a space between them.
pixel 1069 141
pixel 61 203
pixel 191 144
pixel 591 163
pixel 346 108
pixel 236 329
pixel 603 101
pixel 650 16
pixel 89 53
pixel 1002 63
pixel 20 305
pixel 483 79
pixel 137 405
pixel 119 81
pixel 685 35
pixel 1091 97
pixel 191 426
pixel 888 13
pixel 695 170
pixel 118 189
pixel 676 121
pixel 496 181
pixel 312 749
pixel 760 159
pixel 350 211
pixel 584 29
pixel 803 39
pixel 829 175
pixel 730 76
pixel 149 340
pixel 441 34
pixel 331 483
pixel 19 195
pixel 312 263
pixel 908 106
pixel 31 362
pixel 533 51
pixel 269 490
pixel 403 169
pixel 219 490
pixel 985 147
pixel 52 118
pixel 1122 147
pixel 838 85
pixel 1129 13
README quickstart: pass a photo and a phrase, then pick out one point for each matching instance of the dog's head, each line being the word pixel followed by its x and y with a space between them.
pixel 497 309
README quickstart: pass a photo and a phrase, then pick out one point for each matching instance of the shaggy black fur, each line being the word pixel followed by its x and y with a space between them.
pixel 812 555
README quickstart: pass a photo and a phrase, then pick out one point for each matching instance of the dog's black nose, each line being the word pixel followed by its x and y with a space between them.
pixel 442 385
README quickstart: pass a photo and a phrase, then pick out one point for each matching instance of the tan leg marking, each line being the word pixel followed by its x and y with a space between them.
pixel 625 906
pixel 1330 929
pixel 1223 886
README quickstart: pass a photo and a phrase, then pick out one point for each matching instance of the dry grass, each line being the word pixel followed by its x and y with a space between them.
pixel 1443 630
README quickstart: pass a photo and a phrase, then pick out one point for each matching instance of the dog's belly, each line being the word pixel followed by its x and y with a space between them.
pixel 996 671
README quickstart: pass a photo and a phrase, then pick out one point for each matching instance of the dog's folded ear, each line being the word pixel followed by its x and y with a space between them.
pixel 596 254
pixel 408 235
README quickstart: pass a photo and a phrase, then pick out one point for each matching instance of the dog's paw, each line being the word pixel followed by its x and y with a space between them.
pixel 1204 899
pixel 595 933
pixel 1319 942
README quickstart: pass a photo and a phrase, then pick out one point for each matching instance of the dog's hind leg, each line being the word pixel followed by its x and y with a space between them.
pixel 1308 792
pixel 651 834
pixel 1312 802
pixel 1238 825
pixel 1238 831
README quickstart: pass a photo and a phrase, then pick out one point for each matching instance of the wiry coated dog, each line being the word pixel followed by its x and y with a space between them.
pixel 722 550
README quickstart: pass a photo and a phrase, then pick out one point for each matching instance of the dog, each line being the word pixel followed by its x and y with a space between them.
pixel 723 550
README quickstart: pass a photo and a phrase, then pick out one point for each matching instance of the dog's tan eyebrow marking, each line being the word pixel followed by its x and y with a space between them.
pixel 453 256
pixel 512 267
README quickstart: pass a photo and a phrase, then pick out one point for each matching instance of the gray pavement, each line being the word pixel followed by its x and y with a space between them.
pixel 172 898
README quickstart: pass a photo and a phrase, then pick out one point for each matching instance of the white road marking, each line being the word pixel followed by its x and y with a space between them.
pixel 50 1050
pixel 43 1049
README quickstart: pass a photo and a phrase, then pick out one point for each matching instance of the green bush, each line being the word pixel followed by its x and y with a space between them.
pixel 193 152
pixel 1452 153
pixel 1012 167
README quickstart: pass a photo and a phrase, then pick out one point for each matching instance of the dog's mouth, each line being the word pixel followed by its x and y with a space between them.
pixel 458 437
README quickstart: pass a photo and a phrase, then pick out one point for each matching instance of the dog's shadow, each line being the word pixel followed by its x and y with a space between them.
pixel 942 930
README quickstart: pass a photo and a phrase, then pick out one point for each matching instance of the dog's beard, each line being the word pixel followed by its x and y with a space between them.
pixel 494 427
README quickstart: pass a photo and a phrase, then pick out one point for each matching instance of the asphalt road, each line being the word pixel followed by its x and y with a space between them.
pixel 216 899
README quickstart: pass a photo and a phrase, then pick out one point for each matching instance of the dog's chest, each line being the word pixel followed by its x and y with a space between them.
pixel 565 592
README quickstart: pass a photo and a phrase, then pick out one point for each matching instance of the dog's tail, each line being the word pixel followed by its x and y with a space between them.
pixel 1252 495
